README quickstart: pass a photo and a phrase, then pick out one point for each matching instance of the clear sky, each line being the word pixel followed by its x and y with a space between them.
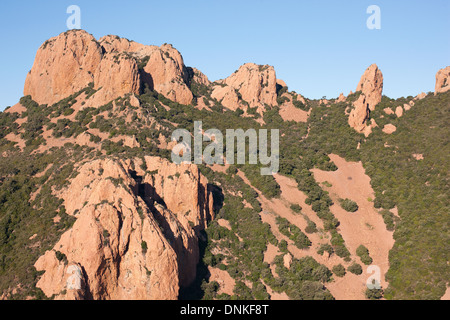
pixel 319 48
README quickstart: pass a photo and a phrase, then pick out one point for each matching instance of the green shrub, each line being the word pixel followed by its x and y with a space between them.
pixel 296 208
pixel 339 270
pixel 144 247
pixel 374 294
pixel 311 227
pixel 348 205
pixel 291 231
pixel 355 268
pixel 363 253
pixel 325 248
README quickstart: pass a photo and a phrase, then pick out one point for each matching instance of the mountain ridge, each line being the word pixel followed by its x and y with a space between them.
pixel 101 113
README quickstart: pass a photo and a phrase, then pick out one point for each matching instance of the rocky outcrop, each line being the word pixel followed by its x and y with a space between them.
pixel 341 98
pixel 163 70
pixel 371 85
pixel 399 111
pixel 111 43
pixel 73 60
pixel 135 235
pixel 389 128
pixel 442 80
pixel 197 76
pixel 227 96
pixel 116 76
pixel 281 83
pixel 257 85
pixel 167 74
pixel 63 65
pixel 371 88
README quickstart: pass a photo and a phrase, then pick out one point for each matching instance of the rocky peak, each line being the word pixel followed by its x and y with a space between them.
pixel 116 75
pixel 371 88
pixel 112 43
pixel 63 65
pixel 166 73
pixel 198 77
pixel 73 60
pixel 163 71
pixel 442 80
pixel 256 84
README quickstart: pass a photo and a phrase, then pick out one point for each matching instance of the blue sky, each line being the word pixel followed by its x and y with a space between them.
pixel 319 48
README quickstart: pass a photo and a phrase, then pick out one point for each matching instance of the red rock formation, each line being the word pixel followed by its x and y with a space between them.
pixel 71 61
pixel 63 65
pixel 198 77
pixel 164 71
pixel 341 98
pixel 257 85
pixel 442 80
pixel 168 74
pixel 371 88
pixel 116 44
pixel 116 76
pixel 227 96
pixel 135 236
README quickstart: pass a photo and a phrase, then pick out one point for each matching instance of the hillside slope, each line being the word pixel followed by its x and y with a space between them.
pixel 93 208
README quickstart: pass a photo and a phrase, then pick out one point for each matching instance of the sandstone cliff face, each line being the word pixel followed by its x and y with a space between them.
pixel 442 80
pixel 63 65
pixel 136 231
pixel 227 96
pixel 116 76
pixel 168 75
pixel 71 61
pixel 197 76
pixel 164 71
pixel 371 88
pixel 257 85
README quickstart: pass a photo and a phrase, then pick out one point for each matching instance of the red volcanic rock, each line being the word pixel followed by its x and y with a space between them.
pixel 135 234
pixel 371 88
pixel 63 65
pixel 442 80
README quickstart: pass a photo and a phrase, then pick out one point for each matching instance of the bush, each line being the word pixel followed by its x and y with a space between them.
pixel 363 253
pixel 311 227
pixel 283 246
pixel 348 205
pixel 339 270
pixel 374 294
pixel 291 231
pixel 144 247
pixel 296 208
pixel 325 248
pixel 355 268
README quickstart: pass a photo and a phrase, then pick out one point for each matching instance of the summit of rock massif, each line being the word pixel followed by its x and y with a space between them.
pixel 251 86
pixel 115 66
pixel 371 88
pixel 63 65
